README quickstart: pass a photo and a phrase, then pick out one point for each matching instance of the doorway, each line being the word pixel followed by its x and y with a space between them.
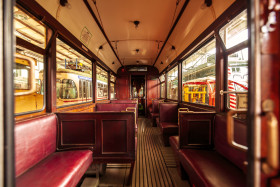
pixel 138 91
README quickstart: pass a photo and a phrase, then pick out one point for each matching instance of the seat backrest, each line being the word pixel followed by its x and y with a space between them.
pixel 168 112
pixel 123 101
pixel 155 105
pixel 35 139
pixel 117 107
pixel 236 156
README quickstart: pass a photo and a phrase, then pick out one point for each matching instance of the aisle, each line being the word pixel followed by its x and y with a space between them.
pixel 150 167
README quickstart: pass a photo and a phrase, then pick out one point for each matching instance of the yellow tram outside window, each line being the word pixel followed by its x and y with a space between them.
pixel 28 69
pixel 73 76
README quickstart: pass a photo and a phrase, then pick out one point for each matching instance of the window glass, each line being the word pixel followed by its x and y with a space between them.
pixel 29 29
pixel 102 83
pixel 198 76
pixel 113 91
pixel 172 84
pixel 74 76
pixel 28 80
pixel 235 31
pixel 112 78
pixel 238 79
pixel 162 90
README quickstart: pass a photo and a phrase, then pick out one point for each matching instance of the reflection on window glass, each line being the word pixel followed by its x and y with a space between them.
pixel 28 80
pixel 113 91
pixel 172 84
pixel 162 86
pixel 112 78
pixel 74 76
pixel 162 90
pixel 238 79
pixel 235 31
pixel 102 83
pixel 29 29
pixel 198 76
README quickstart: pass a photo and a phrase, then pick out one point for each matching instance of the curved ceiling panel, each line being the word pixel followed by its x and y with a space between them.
pixel 195 19
pixel 73 17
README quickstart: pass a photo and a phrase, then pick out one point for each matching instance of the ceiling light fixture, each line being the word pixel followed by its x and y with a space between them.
pixel 136 23
pixel 161 62
pixel 113 62
pixel 137 62
pixel 137 50
pixel 100 47
pixel 173 47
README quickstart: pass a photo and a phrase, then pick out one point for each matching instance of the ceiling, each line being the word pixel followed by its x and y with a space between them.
pixel 137 45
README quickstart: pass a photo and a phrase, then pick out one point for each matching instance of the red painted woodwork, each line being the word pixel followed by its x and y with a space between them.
pixel 114 134
pixel 123 87
pixel 196 129
pixel 152 89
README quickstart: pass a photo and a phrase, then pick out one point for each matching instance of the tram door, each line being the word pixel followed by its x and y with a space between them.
pixel 264 93
pixel 138 91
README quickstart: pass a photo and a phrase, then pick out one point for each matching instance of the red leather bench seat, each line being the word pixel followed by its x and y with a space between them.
pixel 155 110
pixel 168 120
pixel 209 168
pixel 59 169
pixel 37 163
pixel 174 143
pixel 223 166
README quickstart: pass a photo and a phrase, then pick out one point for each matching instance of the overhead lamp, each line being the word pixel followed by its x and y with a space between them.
pixel 113 62
pixel 136 23
pixel 100 47
pixel 161 62
pixel 173 47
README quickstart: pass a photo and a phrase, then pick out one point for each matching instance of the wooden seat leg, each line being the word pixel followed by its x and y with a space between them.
pixel 129 181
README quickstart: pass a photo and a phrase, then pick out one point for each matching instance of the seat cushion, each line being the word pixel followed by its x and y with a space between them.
pixel 169 128
pixel 209 168
pixel 174 142
pixel 59 169
pixel 154 115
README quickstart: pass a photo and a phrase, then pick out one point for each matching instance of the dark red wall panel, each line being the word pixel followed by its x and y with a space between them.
pixel 123 87
pixel 114 142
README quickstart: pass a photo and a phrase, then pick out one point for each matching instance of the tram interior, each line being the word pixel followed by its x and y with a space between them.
pixel 138 91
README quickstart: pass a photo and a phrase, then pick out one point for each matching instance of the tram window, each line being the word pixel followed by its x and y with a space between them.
pixel 198 76
pixel 113 91
pixel 58 86
pixel 102 83
pixel 162 86
pixel 112 78
pixel 172 84
pixel 237 77
pixel 235 31
pixel 28 80
pixel 68 89
pixel 27 28
pixel 75 71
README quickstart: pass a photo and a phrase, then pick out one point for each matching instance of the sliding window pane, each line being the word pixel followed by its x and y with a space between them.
pixel 102 83
pixel 198 74
pixel 172 84
pixel 73 76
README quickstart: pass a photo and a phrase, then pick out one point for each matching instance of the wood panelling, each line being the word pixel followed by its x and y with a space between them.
pixel 109 136
pixel 123 87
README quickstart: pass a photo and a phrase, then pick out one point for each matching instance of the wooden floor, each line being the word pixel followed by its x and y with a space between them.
pixel 155 164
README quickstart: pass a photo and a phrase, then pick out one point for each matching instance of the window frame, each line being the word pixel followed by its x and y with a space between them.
pixel 70 44
pixel 108 81
pixel 225 53
pixel 42 51
pixel 111 82
pixel 176 65
pixel 204 42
